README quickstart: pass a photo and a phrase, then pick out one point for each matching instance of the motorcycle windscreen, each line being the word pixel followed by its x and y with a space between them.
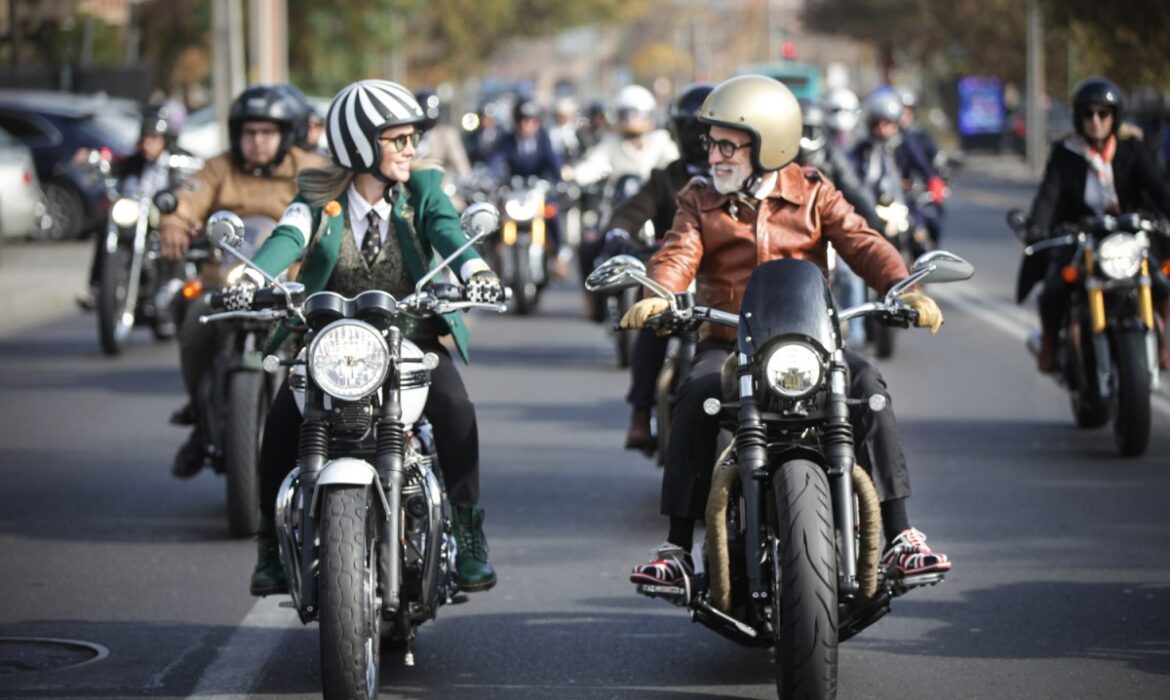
pixel 787 298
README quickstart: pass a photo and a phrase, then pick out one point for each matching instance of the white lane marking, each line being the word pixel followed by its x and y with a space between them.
pixel 240 663
pixel 1006 318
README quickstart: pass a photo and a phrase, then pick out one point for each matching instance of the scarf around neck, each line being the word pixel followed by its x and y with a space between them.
pixel 1100 192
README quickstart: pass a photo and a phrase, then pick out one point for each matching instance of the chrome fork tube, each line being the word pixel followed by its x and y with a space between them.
pixel 840 456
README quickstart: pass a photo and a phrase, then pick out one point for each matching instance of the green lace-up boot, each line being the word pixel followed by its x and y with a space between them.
pixel 472 570
pixel 268 578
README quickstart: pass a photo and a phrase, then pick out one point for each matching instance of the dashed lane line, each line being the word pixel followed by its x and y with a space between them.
pixel 1007 319
pixel 240 663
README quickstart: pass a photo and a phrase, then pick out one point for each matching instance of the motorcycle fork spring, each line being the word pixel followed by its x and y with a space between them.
pixel 314 440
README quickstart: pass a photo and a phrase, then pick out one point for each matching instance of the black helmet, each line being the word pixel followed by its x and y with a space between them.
pixel 263 103
pixel 159 120
pixel 301 122
pixel 684 122
pixel 1101 91
pixel 814 136
pixel 525 108
pixel 429 101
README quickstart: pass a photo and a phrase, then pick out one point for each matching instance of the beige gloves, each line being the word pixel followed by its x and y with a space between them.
pixel 929 315
pixel 644 309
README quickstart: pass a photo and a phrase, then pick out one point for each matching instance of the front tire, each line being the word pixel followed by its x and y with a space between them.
pixel 247 412
pixel 804 594
pixel 524 290
pixel 1131 419
pixel 349 616
pixel 624 340
pixel 115 310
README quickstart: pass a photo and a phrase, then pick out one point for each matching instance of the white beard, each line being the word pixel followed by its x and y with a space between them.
pixel 726 184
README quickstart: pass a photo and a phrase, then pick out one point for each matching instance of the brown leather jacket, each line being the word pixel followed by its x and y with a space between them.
pixel 220 186
pixel 798 219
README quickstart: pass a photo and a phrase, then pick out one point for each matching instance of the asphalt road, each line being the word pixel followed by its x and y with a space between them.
pixel 1061 584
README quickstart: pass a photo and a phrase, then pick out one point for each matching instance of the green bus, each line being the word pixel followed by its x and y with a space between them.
pixel 803 79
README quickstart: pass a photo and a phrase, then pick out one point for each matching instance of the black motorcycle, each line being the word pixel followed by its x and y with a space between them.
pixel 1107 355
pixel 232 399
pixel 520 253
pixel 793 526
pixel 363 521
pixel 621 242
pixel 136 284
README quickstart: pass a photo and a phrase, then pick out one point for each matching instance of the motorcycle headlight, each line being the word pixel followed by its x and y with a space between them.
pixel 125 212
pixel 793 370
pixel 520 209
pixel 1120 255
pixel 349 360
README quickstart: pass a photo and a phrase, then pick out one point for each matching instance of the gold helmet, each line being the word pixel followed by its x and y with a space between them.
pixel 764 108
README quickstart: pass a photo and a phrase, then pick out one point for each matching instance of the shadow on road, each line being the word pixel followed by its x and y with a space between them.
pixel 1120 622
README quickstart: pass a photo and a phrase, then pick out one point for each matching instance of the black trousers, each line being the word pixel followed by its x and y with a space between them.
pixel 645 364
pixel 690 452
pixel 448 409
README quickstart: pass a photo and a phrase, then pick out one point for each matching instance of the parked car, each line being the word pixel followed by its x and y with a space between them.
pixel 22 208
pixel 73 144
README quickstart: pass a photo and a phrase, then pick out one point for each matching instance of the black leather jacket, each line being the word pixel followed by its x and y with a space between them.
pixel 657 201
pixel 1061 197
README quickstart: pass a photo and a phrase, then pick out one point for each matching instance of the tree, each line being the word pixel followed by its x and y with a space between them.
pixel 1129 42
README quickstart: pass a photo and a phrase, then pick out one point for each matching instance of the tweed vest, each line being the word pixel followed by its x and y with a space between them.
pixel 352 276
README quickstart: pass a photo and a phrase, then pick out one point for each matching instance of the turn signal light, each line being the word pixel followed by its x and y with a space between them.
pixel 1166 267
pixel 550 210
pixel 1071 274
pixel 192 289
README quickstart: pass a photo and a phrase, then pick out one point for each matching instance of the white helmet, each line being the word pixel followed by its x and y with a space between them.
pixel 359 113
pixel 634 98
pixel 842 107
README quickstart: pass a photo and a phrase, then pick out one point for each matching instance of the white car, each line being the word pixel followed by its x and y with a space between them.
pixel 21 200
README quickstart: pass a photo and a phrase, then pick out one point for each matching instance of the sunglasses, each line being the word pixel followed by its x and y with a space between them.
pixel 1098 113
pixel 726 148
pixel 398 143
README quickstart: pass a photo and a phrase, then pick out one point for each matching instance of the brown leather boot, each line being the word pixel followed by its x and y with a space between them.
pixel 638 435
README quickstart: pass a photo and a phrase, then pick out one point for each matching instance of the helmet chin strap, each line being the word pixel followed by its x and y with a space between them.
pixel 751 183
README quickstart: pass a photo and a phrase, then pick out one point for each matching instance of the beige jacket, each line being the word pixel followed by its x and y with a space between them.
pixel 220 186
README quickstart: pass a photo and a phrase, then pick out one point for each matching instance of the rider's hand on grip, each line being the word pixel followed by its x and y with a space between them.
pixel 929 315
pixel 485 288
pixel 239 296
pixel 644 309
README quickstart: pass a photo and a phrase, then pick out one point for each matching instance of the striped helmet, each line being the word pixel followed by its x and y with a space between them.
pixel 359 113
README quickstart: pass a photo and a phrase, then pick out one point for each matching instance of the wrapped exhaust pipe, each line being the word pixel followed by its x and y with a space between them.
pixel 719 559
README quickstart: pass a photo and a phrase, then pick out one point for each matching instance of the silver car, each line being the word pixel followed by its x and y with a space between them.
pixel 21 201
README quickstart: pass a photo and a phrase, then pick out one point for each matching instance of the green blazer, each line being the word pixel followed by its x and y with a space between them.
pixel 424 218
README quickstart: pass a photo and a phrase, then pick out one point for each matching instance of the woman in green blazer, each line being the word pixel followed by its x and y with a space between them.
pixel 370 221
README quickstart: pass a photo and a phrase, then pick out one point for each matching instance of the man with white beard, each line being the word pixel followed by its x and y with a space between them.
pixel 760 206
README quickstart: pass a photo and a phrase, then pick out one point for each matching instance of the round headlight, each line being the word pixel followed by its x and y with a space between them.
pixel 349 360
pixel 125 212
pixel 520 209
pixel 793 370
pixel 1120 256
